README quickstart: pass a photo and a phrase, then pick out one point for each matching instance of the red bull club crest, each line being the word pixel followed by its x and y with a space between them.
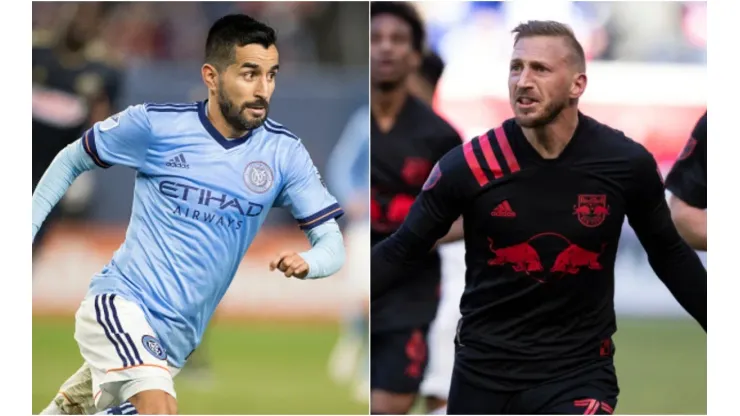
pixel 591 210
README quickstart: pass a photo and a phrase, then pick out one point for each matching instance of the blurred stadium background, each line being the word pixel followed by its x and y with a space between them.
pixel 647 77
pixel 270 341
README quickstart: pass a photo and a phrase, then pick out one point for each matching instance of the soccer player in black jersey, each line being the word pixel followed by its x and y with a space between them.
pixel 687 182
pixel 407 139
pixel 543 198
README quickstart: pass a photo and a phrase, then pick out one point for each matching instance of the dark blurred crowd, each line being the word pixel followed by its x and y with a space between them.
pixel 308 32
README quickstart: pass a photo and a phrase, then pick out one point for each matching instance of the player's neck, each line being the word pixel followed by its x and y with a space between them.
pixel 550 140
pixel 213 112
pixel 386 105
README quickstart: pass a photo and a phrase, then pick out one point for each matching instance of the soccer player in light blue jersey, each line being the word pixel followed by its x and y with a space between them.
pixel 348 177
pixel 207 175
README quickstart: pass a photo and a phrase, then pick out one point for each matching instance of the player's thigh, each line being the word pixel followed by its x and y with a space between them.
pixel 591 393
pixel 399 359
pixel 122 350
pixel 468 399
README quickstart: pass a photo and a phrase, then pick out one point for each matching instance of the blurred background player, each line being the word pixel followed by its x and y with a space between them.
pixel 348 179
pixel 75 84
pixel 260 319
pixel 687 182
pixel 407 140
pixel 436 384
pixel 657 44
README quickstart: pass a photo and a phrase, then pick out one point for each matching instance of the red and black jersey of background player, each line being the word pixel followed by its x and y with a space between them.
pixel 541 239
pixel 688 178
pixel 62 93
pixel 401 161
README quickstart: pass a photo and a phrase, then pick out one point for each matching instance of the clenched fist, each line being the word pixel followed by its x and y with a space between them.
pixel 291 264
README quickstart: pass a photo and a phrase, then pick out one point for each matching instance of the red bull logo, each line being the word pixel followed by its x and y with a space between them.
pixel 574 257
pixel 522 257
pixel 591 210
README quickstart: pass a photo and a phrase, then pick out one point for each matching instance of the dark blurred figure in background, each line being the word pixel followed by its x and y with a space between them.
pixel 74 86
pixel 687 181
pixel 436 384
pixel 423 83
pixel 408 138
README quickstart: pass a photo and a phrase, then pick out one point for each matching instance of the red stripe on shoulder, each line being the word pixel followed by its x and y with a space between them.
pixel 503 143
pixel 473 163
pixel 485 146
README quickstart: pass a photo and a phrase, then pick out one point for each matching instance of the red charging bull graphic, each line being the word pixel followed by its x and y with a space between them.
pixel 574 257
pixel 524 258
pixel 591 210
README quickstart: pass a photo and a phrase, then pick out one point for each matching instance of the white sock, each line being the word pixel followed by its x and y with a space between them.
pixel 77 398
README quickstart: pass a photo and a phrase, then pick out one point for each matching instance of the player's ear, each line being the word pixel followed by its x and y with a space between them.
pixel 210 76
pixel 578 86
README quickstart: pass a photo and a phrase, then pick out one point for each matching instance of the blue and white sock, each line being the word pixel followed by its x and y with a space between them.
pixel 125 408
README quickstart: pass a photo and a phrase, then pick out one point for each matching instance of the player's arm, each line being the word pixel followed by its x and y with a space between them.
pixel 435 209
pixel 456 232
pixel 315 209
pixel 70 163
pixel 352 145
pixel 121 139
pixel 673 261
pixel 687 182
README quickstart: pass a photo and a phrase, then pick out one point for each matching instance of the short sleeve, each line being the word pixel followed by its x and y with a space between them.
pixel 688 177
pixel 121 139
pixel 304 191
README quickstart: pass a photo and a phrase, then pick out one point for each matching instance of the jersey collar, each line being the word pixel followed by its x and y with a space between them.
pixel 226 144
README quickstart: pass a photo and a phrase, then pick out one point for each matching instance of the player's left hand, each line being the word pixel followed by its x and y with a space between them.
pixel 291 264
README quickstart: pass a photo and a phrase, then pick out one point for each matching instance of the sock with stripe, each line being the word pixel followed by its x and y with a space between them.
pixel 125 408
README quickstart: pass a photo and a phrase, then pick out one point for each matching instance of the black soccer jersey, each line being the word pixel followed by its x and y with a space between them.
pixel 401 160
pixel 62 92
pixel 541 239
pixel 688 177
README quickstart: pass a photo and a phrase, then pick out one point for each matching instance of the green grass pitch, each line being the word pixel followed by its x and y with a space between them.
pixel 279 368
pixel 259 368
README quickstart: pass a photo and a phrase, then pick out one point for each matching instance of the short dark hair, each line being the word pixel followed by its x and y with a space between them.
pixel 431 68
pixel 405 12
pixel 235 30
pixel 550 28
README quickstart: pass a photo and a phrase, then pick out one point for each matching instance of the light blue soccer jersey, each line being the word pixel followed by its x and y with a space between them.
pixel 348 165
pixel 199 201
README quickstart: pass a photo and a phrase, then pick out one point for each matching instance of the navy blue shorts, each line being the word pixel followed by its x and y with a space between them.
pixel 398 360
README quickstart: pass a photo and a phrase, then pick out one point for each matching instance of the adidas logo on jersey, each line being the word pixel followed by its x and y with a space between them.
pixel 178 162
pixel 503 210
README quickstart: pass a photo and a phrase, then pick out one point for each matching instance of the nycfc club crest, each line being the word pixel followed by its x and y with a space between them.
pixel 591 210
pixel 258 177
pixel 153 346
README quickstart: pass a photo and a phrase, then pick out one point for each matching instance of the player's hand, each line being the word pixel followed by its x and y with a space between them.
pixel 291 264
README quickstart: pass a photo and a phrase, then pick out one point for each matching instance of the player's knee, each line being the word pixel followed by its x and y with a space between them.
pixel 154 402
pixel 384 402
